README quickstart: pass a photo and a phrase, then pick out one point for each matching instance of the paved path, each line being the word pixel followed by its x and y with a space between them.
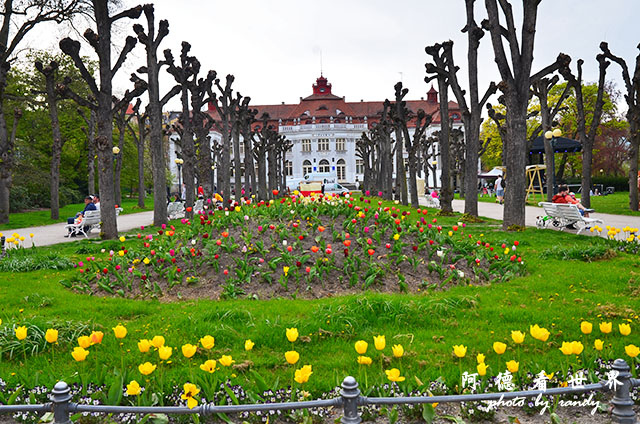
pixel 495 211
pixel 53 234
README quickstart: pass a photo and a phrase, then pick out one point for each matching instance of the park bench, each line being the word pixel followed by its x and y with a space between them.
pixel 564 214
pixel 175 210
pixel 432 202
pixel 198 206
pixel 90 221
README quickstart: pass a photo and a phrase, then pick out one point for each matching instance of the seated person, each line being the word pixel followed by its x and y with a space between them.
pixel 96 201
pixel 564 196
pixel 88 206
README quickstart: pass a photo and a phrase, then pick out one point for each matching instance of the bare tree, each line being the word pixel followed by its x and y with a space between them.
pixel 52 97
pixel 139 135
pixel 438 54
pixel 263 138
pixel 632 98
pixel 515 85
pixel 381 134
pixel 90 132
pixel 399 117
pixel 246 117
pixel 225 106
pixel 101 43
pixel 18 19
pixel 365 150
pixel 430 157
pixel 151 41
pixel 202 124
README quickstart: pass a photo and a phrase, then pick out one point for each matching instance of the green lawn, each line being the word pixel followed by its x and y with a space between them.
pixel 556 294
pixel 43 217
pixel 616 204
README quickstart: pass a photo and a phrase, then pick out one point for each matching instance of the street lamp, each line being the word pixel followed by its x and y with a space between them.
pixel 213 167
pixel 115 150
pixel 550 137
pixel 179 163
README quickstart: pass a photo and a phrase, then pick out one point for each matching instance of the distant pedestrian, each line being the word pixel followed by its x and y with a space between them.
pixel 499 189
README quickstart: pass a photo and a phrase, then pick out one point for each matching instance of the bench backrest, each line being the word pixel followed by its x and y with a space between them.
pixel 198 206
pixel 174 208
pixel 550 209
pixel 569 212
pixel 91 217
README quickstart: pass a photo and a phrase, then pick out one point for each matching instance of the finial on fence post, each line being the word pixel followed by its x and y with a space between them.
pixel 60 396
pixel 350 395
pixel 622 402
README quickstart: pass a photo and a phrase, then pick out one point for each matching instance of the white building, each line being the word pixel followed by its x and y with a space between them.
pixel 324 128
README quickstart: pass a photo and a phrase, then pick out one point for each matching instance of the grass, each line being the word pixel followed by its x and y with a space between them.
pixel 616 204
pixel 43 217
pixel 558 293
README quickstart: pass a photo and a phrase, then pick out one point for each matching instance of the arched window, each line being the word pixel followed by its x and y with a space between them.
pixel 306 168
pixel 324 166
pixel 341 169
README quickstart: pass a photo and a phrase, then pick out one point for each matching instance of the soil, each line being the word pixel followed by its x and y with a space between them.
pixel 419 266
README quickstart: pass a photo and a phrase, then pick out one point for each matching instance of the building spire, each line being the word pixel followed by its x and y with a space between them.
pixel 320 62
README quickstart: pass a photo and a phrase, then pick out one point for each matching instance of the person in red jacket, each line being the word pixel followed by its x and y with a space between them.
pixel 563 196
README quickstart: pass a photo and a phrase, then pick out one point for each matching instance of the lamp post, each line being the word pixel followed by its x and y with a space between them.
pixel 179 163
pixel 550 137
pixel 213 167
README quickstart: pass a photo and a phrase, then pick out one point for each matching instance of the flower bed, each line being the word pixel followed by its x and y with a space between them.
pixel 297 246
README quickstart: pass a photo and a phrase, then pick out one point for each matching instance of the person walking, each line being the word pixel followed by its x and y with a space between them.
pixel 499 187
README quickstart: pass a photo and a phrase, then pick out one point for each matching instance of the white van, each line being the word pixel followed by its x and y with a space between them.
pixel 326 177
pixel 335 188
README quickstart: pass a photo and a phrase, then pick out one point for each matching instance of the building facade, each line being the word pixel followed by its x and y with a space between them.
pixel 324 127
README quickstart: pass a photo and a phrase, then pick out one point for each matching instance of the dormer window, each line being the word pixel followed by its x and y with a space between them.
pixel 323 107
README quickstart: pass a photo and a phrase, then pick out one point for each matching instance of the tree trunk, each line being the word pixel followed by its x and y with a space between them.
pixel 140 147
pixel 446 193
pixel 413 186
pixel 633 166
pixel 118 160
pixel 262 178
pixel 91 153
pixel 237 162
pixel 56 146
pixel 515 194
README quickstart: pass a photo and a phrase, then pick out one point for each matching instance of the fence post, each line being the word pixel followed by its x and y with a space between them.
pixel 60 396
pixel 350 395
pixel 622 402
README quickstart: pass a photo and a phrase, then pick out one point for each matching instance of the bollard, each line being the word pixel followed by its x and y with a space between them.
pixel 622 403
pixel 2 251
pixel 60 396
pixel 350 396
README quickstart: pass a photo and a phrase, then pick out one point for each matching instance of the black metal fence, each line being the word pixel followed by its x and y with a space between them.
pixel 350 401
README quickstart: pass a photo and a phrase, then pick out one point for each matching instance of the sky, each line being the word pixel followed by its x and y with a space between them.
pixel 276 49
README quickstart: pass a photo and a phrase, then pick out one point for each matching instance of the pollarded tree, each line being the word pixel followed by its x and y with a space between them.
pixel 366 150
pixel 246 118
pixel 90 134
pixel 101 101
pixel 399 116
pixel 201 124
pixel 438 54
pixel 263 138
pixel 381 135
pixel 18 19
pixel 515 85
pixel 139 134
pixel 151 40
pixel 226 107
pixel 429 156
pixel 632 84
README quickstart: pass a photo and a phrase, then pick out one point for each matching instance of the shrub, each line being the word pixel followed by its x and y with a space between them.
pixel 23 260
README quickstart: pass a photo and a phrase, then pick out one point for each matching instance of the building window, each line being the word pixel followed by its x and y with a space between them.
pixel 324 166
pixel 306 145
pixel 341 169
pixel 288 168
pixel 340 144
pixel 323 144
pixel 359 166
pixel 306 168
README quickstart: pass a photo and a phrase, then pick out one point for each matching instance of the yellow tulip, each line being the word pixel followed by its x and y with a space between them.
pixel 361 347
pixel 482 368
pixel 292 356
pixel 120 331
pixel 379 342
pixel 394 374
pixel 539 333
pixel 292 334
pixel 364 360
pixel 567 348
pixel 397 350
pixel 499 347
pixel 165 352
pixel 625 329
pixel 133 388
pixel 122 239
pixel 146 368
pixel 460 351
pixel 632 350
pixel 248 345
pixel 79 353
pixel 513 366
pixel 21 332
pixel 189 350
pixel 577 348
pixel 144 345
pixel 209 366
pixel 586 327
pixel 302 375
pixel 598 344
pixel 517 336
pixel 146 261
pixel 157 341
pixel 480 358
pixel 285 269
pixel 208 342
pixel 51 336
pixel 190 390
pixel 84 342
pixel 226 360
pixel 605 327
